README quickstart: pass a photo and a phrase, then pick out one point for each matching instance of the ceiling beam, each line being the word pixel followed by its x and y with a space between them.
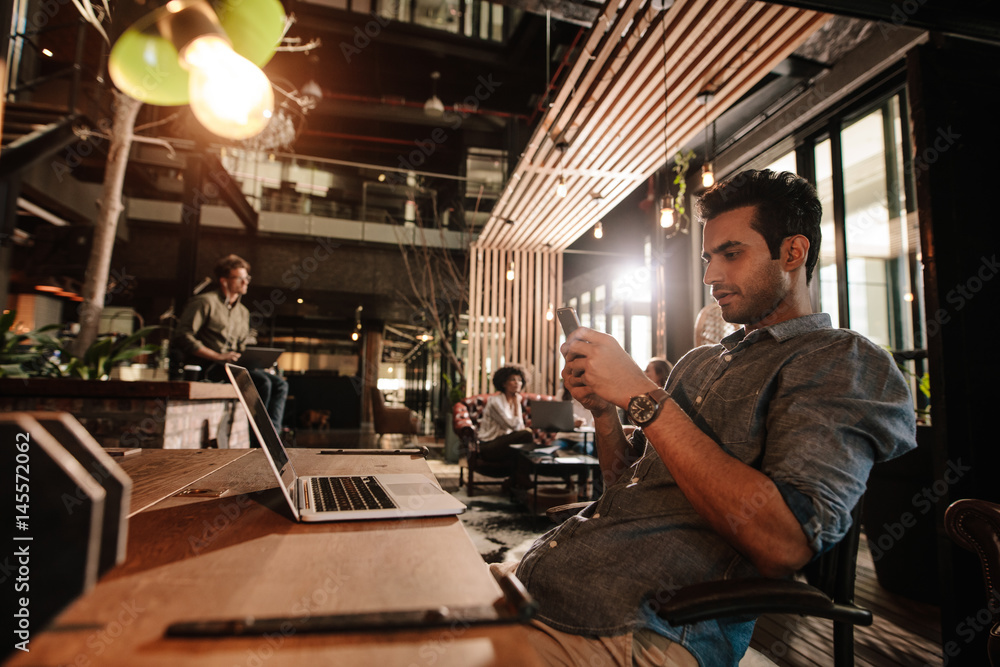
pixel 963 18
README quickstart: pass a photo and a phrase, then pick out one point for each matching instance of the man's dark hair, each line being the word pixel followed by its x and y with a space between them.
pixel 785 205
pixel 502 375
pixel 225 265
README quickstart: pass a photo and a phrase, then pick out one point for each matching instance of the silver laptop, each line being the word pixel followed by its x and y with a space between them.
pixel 552 415
pixel 340 497
pixel 259 357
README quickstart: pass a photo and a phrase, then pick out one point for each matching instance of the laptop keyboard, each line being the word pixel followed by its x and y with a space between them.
pixel 338 494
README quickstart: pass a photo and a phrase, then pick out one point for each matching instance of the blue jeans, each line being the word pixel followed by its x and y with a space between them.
pixel 273 390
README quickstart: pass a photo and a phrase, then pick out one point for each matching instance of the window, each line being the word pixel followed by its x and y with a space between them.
pixel 597 309
pixel 826 269
pixel 873 283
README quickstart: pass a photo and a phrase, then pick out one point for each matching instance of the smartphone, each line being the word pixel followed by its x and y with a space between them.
pixel 568 320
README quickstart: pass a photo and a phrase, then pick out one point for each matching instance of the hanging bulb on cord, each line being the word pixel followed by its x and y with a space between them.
pixel 229 95
pixel 707 175
pixel 561 188
pixel 598 230
pixel 510 272
pixel 667 212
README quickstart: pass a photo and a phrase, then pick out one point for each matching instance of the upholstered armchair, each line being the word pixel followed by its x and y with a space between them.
pixel 388 419
pixel 466 414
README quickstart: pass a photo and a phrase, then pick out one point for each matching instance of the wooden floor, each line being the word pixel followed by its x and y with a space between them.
pixel 905 632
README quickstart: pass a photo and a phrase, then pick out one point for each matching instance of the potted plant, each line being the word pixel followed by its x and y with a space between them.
pixel 40 354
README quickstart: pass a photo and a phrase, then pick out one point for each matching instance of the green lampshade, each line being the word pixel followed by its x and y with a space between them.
pixel 254 27
pixel 144 64
pixel 145 67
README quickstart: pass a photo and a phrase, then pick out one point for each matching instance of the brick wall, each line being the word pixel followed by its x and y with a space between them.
pixel 151 423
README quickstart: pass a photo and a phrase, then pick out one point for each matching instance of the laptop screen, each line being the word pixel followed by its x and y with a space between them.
pixel 261 422
pixel 552 415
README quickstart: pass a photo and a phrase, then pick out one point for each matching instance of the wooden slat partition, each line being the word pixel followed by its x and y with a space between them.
pixel 508 318
pixel 605 132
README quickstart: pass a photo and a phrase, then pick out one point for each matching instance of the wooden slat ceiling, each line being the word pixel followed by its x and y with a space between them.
pixel 610 111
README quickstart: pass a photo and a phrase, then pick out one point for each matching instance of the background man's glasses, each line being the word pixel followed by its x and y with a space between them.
pixel 241 279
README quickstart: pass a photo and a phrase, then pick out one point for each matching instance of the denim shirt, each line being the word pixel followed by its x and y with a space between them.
pixel 810 406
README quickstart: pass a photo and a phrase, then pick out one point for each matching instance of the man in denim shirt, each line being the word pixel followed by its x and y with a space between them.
pixel 754 455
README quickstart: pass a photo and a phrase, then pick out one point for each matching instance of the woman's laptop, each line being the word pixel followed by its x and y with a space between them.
pixel 552 416
pixel 340 497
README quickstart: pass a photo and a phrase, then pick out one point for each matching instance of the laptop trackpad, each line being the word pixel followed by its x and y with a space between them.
pixel 413 489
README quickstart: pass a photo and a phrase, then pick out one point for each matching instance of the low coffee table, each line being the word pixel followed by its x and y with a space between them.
pixel 560 463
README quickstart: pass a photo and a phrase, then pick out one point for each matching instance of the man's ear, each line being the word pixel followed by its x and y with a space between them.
pixel 794 251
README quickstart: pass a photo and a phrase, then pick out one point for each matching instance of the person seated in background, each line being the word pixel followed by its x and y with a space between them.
pixel 754 454
pixel 658 369
pixel 581 419
pixel 215 327
pixel 502 423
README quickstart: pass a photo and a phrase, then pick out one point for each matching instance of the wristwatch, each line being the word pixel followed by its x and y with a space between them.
pixel 642 409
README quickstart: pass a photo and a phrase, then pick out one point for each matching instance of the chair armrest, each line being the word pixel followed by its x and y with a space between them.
pixel 559 513
pixel 753 597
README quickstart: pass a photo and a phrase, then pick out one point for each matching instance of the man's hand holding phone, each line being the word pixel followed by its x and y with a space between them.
pixel 568 319
pixel 598 371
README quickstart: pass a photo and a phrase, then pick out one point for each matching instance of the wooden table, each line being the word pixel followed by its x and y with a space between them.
pixel 241 554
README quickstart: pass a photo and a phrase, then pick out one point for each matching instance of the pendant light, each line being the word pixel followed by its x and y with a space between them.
pixel 204 54
pixel 667 219
pixel 707 171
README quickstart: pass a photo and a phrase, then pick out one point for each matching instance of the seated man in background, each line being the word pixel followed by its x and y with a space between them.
pixel 754 455
pixel 215 326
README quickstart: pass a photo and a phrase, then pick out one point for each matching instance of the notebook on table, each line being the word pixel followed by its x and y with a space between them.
pixel 259 357
pixel 553 416
pixel 339 497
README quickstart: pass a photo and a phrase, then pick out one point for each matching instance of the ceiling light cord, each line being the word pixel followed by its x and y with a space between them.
pixel 667 218
pixel 707 171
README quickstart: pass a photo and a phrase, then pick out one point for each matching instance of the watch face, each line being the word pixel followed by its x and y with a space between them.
pixel 642 409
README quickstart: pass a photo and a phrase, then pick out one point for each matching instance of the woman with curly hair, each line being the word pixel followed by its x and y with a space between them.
pixel 502 423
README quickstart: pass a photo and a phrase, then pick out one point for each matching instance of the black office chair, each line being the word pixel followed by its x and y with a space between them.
pixel 828 594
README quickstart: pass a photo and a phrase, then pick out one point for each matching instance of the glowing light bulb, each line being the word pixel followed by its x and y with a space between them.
pixel 550 314
pixel 354 335
pixel 667 213
pixel 229 95
pixel 510 272
pixel 561 188
pixel 598 231
pixel 707 175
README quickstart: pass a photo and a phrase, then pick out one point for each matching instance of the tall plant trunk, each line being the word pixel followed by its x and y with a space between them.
pixel 95 281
